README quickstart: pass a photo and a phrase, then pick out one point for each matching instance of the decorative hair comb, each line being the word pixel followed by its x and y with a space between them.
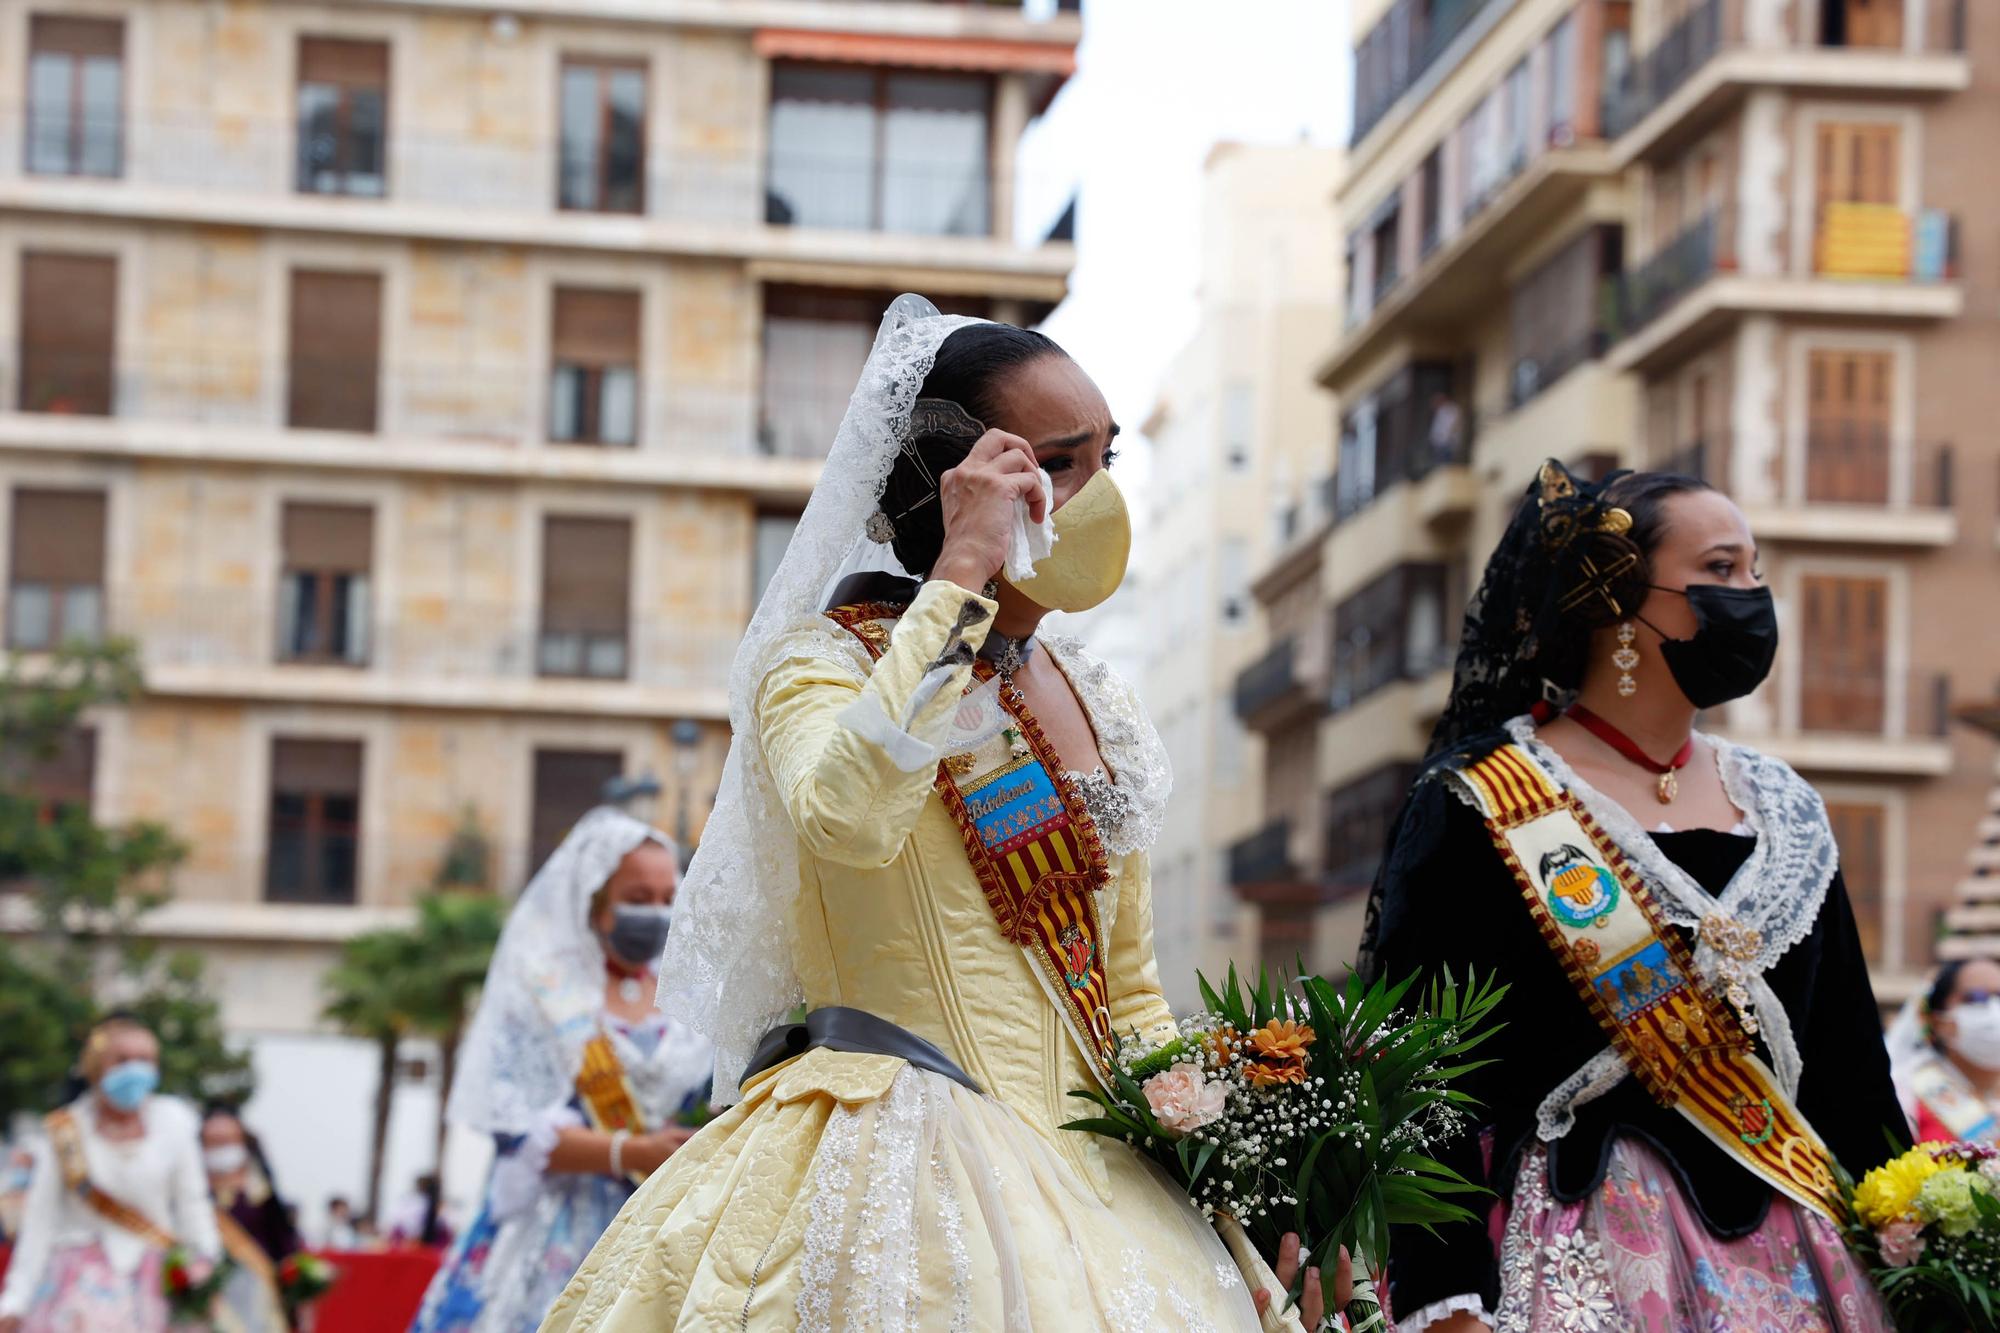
pixel 932 421
pixel 1568 514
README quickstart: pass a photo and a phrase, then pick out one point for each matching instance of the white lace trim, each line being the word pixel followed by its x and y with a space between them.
pixel 1778 890
pixel 1127 742
pixel 1557 1114
pixel 1470 1303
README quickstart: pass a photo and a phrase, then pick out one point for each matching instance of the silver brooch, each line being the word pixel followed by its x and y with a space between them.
pixel 881 529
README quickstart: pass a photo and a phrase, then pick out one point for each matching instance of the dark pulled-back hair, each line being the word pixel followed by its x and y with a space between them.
pixel 972 364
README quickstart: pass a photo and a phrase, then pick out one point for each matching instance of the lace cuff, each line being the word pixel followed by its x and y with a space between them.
pixel 517 1175
pixel 1422 1319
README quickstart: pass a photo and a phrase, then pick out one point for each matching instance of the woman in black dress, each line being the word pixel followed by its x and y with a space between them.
pixel 1691 1039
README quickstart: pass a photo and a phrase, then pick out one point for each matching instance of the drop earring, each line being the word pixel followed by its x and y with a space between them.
pixel 1625 658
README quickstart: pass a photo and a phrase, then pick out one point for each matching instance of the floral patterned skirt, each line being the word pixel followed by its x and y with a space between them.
pixel 81 1292
pixel 1635 1256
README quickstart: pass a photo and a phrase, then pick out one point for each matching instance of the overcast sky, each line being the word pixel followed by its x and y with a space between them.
pixel 1159 82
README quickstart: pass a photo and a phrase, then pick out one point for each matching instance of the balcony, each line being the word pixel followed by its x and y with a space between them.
pixel 1286 687
pixel 1411 49
pixel 1702 66
pixel 1836 487
pixel 1865 262
pixel 1464 277
pixel 1858 724
pixel 1265 857
pixel 433 651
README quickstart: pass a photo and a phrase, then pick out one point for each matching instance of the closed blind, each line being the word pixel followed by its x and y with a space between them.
pixel 586 574
pixel 594 327
pixel 350 63
pixel 58 537
pixel 321 767
pixel 329 538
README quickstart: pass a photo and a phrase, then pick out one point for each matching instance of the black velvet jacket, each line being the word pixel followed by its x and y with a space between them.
pixel 1448 900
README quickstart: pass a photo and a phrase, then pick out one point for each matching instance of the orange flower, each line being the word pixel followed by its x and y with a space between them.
pixel 1281 1040
pixel 1224 1042
pixel 1263 1074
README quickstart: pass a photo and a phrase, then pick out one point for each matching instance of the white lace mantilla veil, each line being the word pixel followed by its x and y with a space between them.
pixel 545 987
pixel 728 971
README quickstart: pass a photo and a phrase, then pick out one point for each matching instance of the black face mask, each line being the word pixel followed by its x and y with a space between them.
pixel 1735 638
pixel 638 934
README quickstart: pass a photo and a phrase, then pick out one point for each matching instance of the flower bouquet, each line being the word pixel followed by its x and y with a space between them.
pixel 192 1284
pixel 1305 1107
pixel 1928 1226
pixel 302 1279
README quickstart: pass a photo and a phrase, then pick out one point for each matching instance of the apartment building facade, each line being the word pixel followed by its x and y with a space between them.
pixel 1734 237
pixel 428 392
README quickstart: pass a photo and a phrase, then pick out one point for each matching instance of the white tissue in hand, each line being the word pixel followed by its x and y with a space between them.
pixel 1032 541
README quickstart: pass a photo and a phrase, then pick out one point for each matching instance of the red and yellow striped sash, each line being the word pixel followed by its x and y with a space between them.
pixel 66 1138
pixel 606 1095
pixel 1636 975
pixel 1033 847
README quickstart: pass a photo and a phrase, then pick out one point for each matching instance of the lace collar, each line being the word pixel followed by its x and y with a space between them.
pixel 1778 890
pixel 1128 799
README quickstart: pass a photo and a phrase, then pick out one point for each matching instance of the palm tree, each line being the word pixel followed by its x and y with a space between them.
pixel 456 934
pixel 368 995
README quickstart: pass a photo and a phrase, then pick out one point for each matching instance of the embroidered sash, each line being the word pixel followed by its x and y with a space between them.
pixel 242 1247
pixel 1940 1091
pixel 66 1138
pixel 1032 845
pixel 607 1095
pixel 1636 975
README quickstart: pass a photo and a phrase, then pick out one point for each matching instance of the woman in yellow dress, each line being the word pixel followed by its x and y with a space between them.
pixel 932 833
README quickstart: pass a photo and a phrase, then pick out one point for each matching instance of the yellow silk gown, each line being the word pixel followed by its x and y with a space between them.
pixel 851 1191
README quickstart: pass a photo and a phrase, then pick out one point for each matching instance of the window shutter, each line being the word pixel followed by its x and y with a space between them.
pixel 594 327
pixel 58 537
pixel 69 312
pixel 1858 833
pixel 336 331
pixel 319 767
pixel 356 64
pixel 329 538
pixel 567 783
pixel 586 574
pixel 66 35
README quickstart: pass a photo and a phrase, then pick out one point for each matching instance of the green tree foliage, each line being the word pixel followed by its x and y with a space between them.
pixel 85 889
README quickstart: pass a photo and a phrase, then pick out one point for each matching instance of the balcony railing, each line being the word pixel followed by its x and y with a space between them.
pixel 422 642
pixel 1841 465
pixel 1448 18
pixel 1400 460
pixel 1637 297
pixel 1714 25
pixel 1534 374
pixel 1653 77
pixel 1839 701
pixel 1265 857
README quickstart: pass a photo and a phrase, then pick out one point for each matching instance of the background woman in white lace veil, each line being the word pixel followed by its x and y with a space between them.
pixel 898 1159
pixel 1607 617
pixel 1944 1052
pixel 573 968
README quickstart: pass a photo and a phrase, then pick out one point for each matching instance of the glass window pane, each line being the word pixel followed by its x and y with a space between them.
pixel 625 167
pixel 367 128
pixel 822 148
pixel 319 149
pixel 774 535
pixel 565 403
pixel 580 118
pixel 607 657
pixel 103 80
pixel 29 612
pixel 618 408
pixel 83 612
pixel 356 626
pixel 935 175
pixel 305 621
pixel 49 103
pixel 561 653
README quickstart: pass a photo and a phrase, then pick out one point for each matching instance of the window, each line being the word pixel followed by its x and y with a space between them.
pixel 1858 834
pixel 1430 203
pixel 59 781
pixel 336 350
pixel 1562 83
pixel 323 602
pixel 315 835
pixel 1859 164
pixel 567 783
pixel 879 150
pixel 1383 239
pixel 594 378
pixel 1358 819
pixel 343 109
pixel 774 535
pixel 1844 658
pixel 586 596
pixel 69 313
pixel 1847 426
pixel 1517 103
pixel 1239 411
pixel 1553 311
pixel 55 569
pixel 1392 629
pixel 603 166
pixel 1233 574
pixel 1867 23
pixel 76 96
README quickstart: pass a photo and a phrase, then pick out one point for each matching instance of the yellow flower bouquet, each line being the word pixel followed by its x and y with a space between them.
pixel 1928 1225
pixel 1307 1107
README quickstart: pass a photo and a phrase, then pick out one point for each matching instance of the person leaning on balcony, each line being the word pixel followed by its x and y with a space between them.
pixel 1944 1050
pixel 1447 428
pixel 1690 1038
pixel 117 1183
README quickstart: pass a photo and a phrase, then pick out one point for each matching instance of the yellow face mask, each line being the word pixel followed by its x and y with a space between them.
pixel 1093 542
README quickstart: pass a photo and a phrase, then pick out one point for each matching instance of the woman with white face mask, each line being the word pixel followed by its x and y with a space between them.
pixel 572 1069
pixel 257 1231
pixel 117 1182
pixel 1944 1050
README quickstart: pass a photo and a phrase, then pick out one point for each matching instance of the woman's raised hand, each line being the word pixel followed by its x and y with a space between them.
pixel 1316 1299
pixel 977 500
